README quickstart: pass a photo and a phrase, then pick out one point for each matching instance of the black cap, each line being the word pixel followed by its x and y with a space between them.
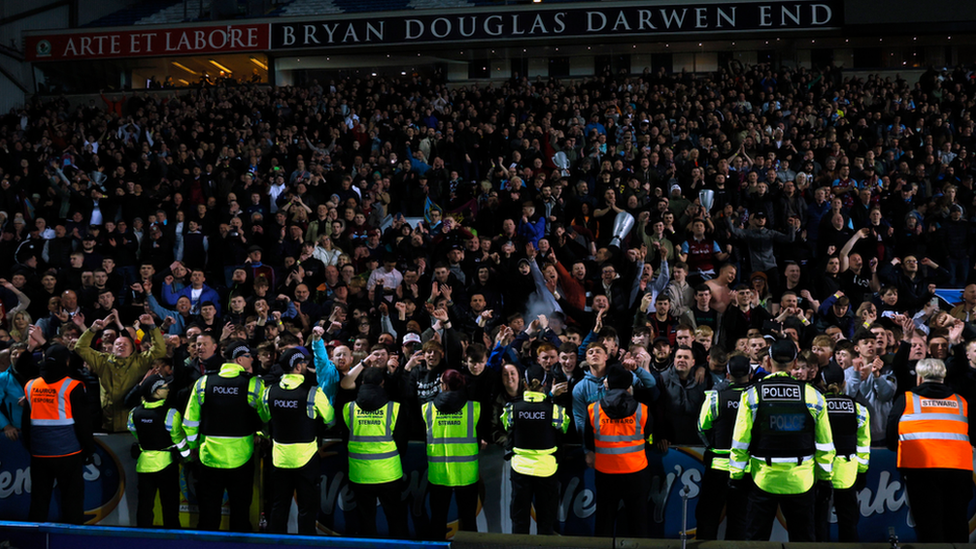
pixel 59 354
pixel 832 374
pixel 372 376
pixel 739 366
pixel 291 358
pixel 535 372
pixel 619 378
pixel 255 248
pixel 760 215
pixel 236 349
pixel 782 351
pixel 153 383
pixel 661 339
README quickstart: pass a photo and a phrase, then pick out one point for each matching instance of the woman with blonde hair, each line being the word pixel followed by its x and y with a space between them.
pixel 20 326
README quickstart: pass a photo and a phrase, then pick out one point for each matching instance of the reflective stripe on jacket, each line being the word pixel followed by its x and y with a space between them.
pixel 52 422
pixel 452 445
pixel 373 455
pixel 934 433
pixel 619 443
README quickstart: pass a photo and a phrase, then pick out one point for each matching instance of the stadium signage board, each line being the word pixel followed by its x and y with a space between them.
pixel 626 20
pixel 434 27
pixel 148 42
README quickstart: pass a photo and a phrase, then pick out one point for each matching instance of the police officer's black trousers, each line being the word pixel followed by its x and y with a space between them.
pixel 167 483
pixel 466 498
pixel 390 496
pixel 798 509
pixel 304 483
pixel 716 495
pixel 633 489
pixel 545 492
pixel 239 484
pixel 68 472
pixel 848 515
pixel 939 499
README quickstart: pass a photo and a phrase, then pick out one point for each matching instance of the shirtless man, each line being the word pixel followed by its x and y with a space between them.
pixel 721 294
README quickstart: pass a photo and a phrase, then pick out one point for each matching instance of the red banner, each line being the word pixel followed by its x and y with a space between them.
pixel 107 44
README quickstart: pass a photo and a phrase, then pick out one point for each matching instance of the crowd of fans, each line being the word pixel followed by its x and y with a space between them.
pixel 426 227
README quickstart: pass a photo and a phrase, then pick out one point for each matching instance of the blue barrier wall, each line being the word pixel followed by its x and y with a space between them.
pixel 110 492
pixel 27 535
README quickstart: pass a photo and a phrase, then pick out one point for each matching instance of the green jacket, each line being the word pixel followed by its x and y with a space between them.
pixel 151 461
pixel 373 454
pixel 117 376
pixel 536 463
pixel 709 414
pixel 293 456
pixel 782 477
pixel 452 444
pixel 222 452
pixel 846 468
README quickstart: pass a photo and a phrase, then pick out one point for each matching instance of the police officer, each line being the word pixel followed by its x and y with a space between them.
pixel 378 433
pixel 295 408
pixel 782 437
pixel 929 427
pixel 850 425
pixel 221 419
pixel 158 430
pixel 715 424
pixel 534 424
pixel 614 436
pixel 452 454
pixel 57 433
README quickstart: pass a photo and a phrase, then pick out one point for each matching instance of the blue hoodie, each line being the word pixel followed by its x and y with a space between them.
pixel 591 389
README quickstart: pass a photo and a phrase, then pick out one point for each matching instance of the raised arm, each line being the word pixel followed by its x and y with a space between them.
pixel 846 250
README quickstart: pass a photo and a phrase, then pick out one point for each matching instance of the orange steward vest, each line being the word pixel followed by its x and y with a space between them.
pixel 934 433
pixel 619 443
pixel 52 422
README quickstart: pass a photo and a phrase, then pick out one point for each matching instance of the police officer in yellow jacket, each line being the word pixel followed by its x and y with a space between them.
pixel 616 433
pixel 850 425
pixel 296 409
pixel 782 437
pixel 221 420
pixel 158 430
pixel 452 454
pixel 534 424
pixel 378 434
pixel 715 424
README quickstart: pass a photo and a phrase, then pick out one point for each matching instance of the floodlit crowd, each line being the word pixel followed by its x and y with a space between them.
pixel 461 239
